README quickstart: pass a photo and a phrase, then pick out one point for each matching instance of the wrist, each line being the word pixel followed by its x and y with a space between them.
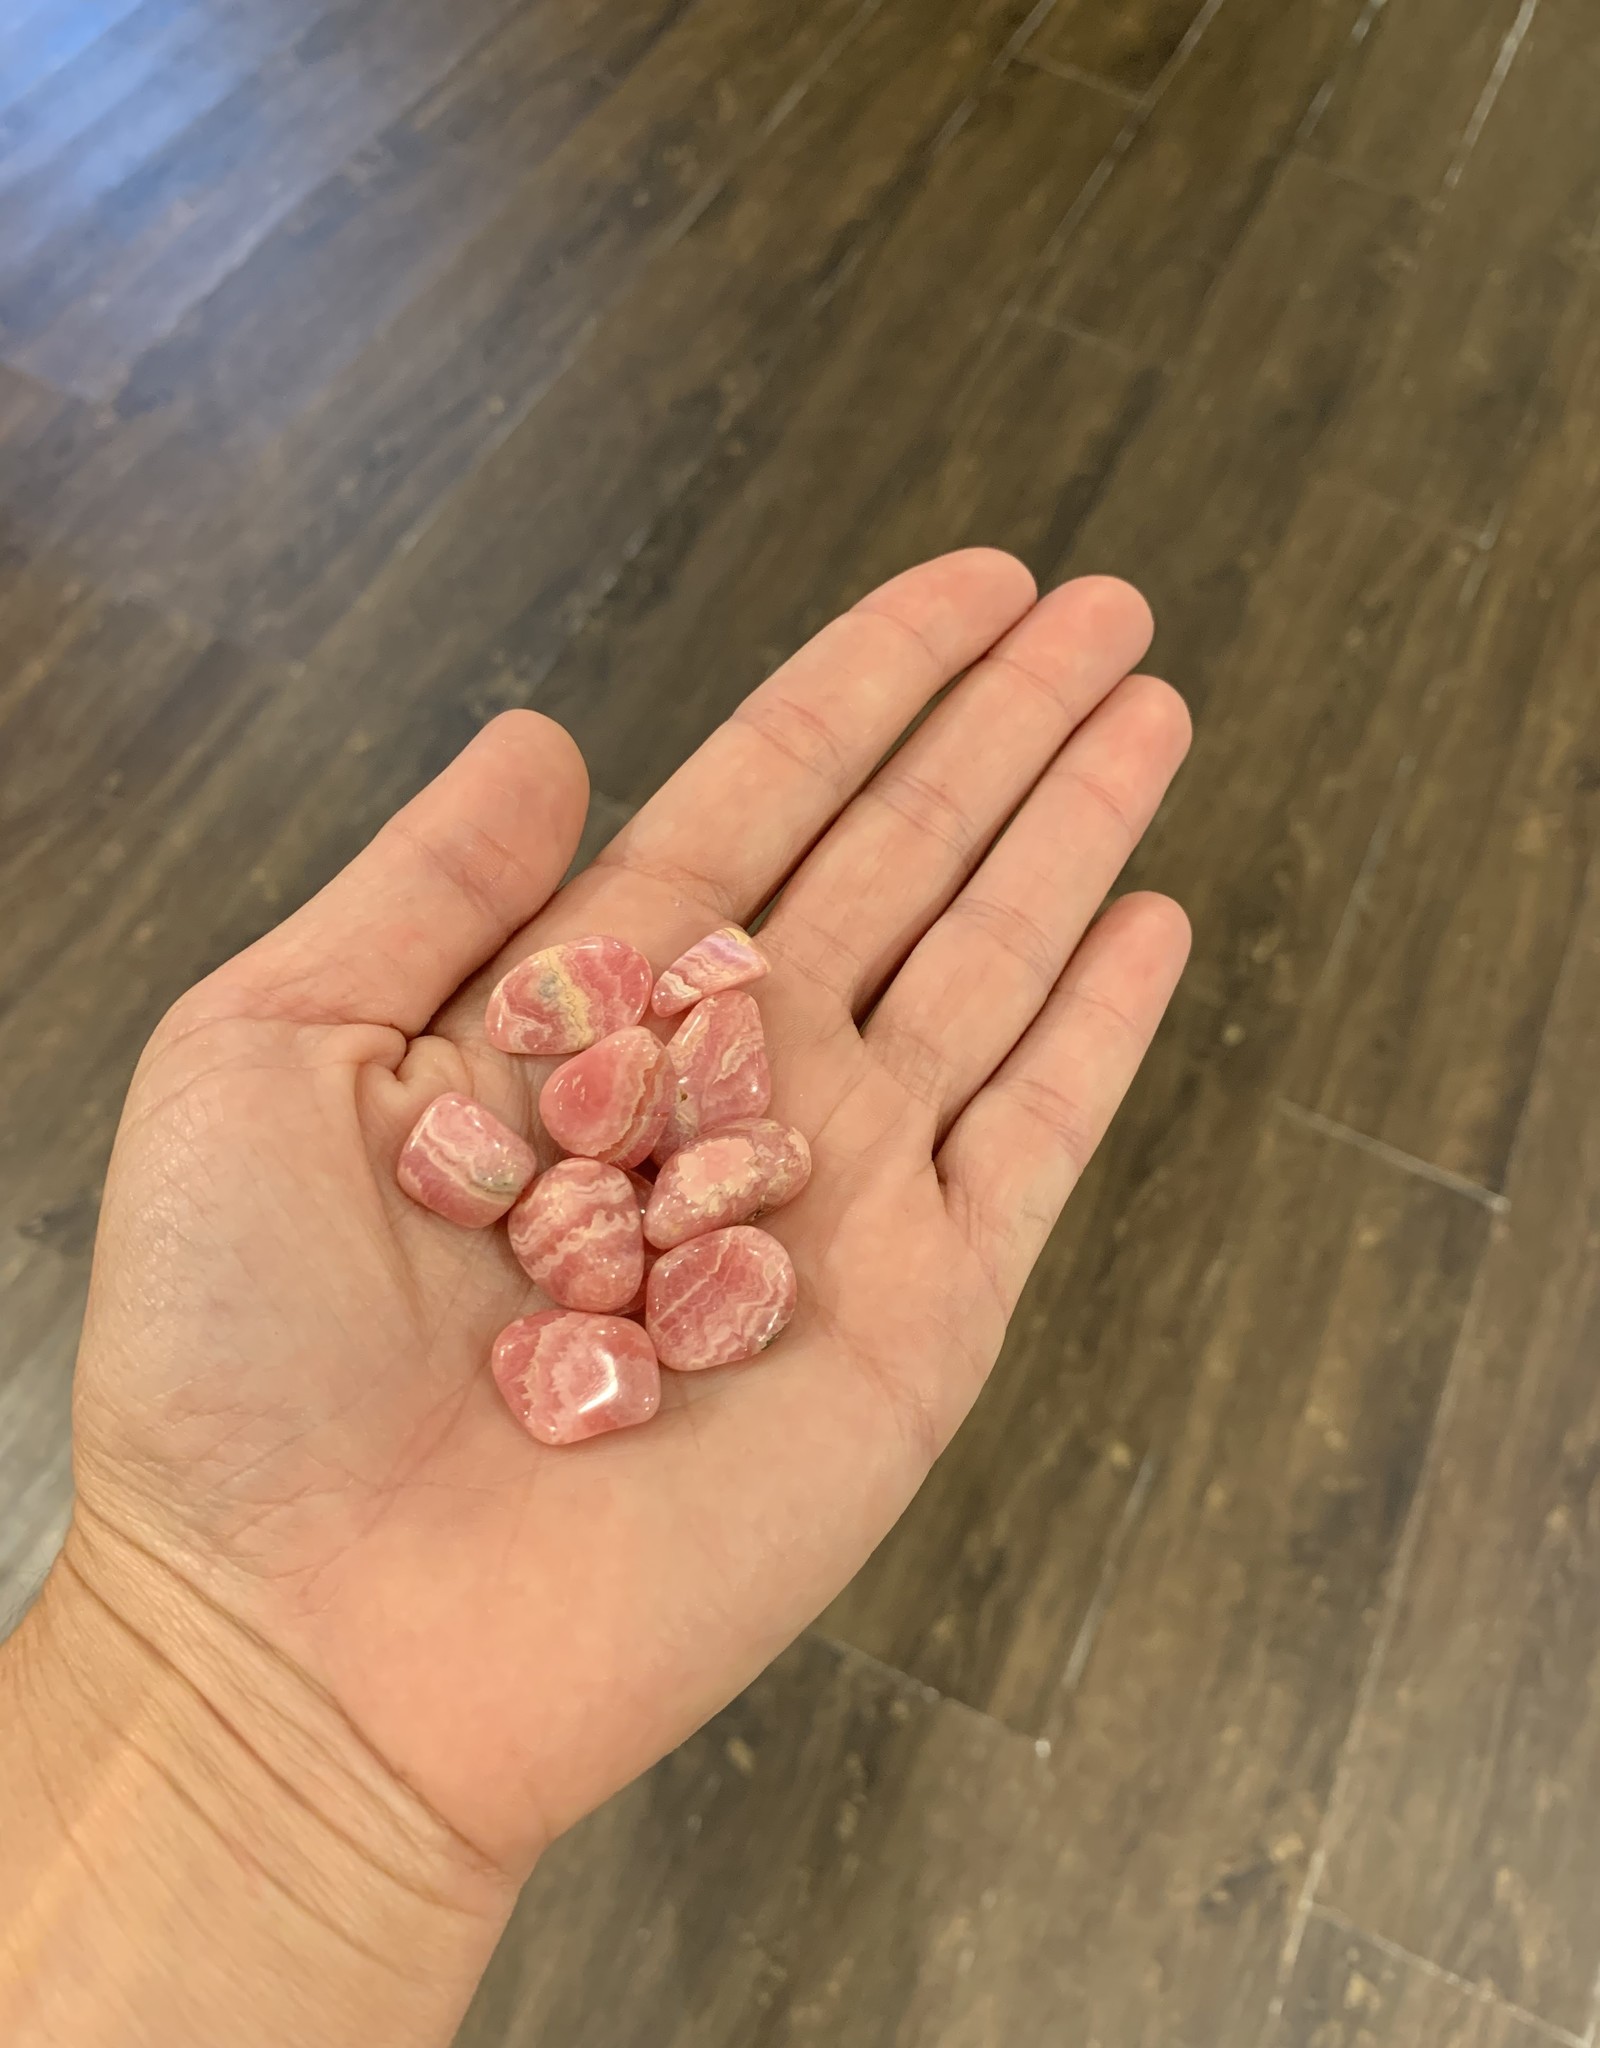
pixel 200 1846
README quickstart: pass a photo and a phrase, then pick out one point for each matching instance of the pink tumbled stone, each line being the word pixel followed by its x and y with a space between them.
pixel 719 1056
pixel 463 1163
pixel 718 1299
pixel 568 997
pixel 727 959
pixel 734 1174
pixel 611 1102
pixel 576 1234
pixel 566 1377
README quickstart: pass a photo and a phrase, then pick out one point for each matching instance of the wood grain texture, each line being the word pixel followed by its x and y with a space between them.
pixel 1141 262
pixel 280 504
pixel 793 515
pixel 1465 1830
pixel 1426 1029
pixel 1127 45
pixel 1401 105
pixel 836 1848
pixel 533 542
pixel 1471 379
pixel 1351 1992
pixel 193 209
pixel 39 41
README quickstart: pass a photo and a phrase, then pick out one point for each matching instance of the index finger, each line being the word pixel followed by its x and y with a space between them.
pixel 740 813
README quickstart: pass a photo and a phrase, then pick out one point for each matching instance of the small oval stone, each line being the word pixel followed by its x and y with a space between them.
pixel 719 1058
pixel 567 1377
pixel 568 997
pixel 463 1163
pixel 719 1299
pixel 613 1101
pixel 729 958
pixel 731 1176
pixel 576 1233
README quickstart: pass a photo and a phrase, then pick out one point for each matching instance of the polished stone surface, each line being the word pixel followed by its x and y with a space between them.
pixel 719 1056
pixel 576 1234
pixel 463 1163
pixel 719 1299
pixel 727 958
pixel 567 1377
pixel 731 1176
pixel 568 997
pixel 613 1101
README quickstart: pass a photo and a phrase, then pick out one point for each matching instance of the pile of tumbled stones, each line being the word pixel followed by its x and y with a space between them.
pixel 603 1238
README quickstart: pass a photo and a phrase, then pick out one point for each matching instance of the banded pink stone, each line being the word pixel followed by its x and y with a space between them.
pixel 567 1377
pixel 613 1101
pixel 719 1056
pixel 569 996
pixel 731 1176
pixel 718 1299
pixel 576 1234
pixel 729 958
pixel 463 1163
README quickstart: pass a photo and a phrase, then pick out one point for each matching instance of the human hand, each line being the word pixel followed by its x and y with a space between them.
pixel 283 1405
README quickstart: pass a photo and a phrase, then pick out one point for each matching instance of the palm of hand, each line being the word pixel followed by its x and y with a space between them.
pixel 283 1389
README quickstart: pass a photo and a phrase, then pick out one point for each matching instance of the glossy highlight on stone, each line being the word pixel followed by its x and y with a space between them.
pixel 719 1058
pixel 719 1299
pixel 731 1176
pixel 568 997
pixel 568 1377
pixel 729 958
pixel 613 1101
pixel 463 1163
pixel 576 1233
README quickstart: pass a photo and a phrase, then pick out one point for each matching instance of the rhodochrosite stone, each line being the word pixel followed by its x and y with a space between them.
pixel 613 1101
pixel 576 1234
pixel 568 997
pixel 719 1056
pixel 566 1377
pixel 728 959
pixel 728 1177
pixel 463 1163
pixel 718 1299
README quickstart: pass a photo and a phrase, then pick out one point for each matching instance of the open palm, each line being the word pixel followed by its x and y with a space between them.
pixel 283 1393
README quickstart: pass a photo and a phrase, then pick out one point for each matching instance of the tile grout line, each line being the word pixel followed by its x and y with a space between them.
pixel 1407 1162
pixel 1480 1994
pixel 1510 44
pixel 1393 1593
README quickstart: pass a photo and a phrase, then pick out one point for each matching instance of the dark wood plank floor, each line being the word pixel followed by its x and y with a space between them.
pixel 367 367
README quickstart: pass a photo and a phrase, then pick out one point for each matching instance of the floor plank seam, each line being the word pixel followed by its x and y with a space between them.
pixel 1110 1574
pixel 1510 44
pixel 1392 1155
pixel 1138 115
pixel 1057 323
pixel 1363 181
pixel 930 1695
pixel 1124 95
pixel 1481 1994
pixel 1360 29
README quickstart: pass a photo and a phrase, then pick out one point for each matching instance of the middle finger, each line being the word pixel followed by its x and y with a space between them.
pixel 901 850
